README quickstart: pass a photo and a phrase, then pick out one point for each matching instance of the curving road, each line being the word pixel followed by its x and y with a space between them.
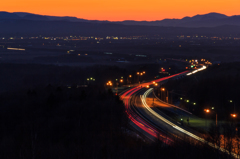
pixel 151 122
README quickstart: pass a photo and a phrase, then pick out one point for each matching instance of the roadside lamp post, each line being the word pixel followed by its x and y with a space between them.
pixel 138 77
pixel 233 117
pixel 162 90
pixel 129 81
pixel 117 86
pixel 207 112
pixel 153 90
pixel 216 115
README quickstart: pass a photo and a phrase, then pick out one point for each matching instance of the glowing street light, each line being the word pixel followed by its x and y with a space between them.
pixel 207 110
pixel 156 84
pixel 130 76
pixel 234 115
pixel 121 80
pixel 163 89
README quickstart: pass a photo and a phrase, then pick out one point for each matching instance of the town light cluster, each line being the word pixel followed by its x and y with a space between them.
pixel 195 71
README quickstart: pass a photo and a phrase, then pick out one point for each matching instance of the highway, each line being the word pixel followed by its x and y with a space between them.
pixel 154 124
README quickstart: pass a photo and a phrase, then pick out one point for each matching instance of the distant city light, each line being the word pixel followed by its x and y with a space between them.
pixel 9 48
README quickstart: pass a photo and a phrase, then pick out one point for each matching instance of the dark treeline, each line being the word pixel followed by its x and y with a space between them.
pixel 59 122
pixel 22 76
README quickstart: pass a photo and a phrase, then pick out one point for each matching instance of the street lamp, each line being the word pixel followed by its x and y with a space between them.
pixel 162 90
pixel 207 111
pixel 153 90
pixel 109 83
pixel 234 115
pixel 138 77
pixel 129 80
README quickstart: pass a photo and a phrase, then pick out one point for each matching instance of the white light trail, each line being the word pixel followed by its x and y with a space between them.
pixel 195 71
pixel 143 98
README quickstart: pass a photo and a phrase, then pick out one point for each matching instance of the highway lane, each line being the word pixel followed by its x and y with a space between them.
pixel 152 122
pixel 149 130
pixel 178 128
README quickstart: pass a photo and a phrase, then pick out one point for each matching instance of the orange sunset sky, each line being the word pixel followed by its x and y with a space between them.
pixel 117 10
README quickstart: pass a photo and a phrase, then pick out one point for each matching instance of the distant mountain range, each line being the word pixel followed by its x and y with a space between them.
pixel 206 20
pixel 21 24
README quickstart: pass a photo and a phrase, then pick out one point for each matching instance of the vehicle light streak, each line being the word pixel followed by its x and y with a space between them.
pixel 195 71
pixel 138 120
pixel 143 98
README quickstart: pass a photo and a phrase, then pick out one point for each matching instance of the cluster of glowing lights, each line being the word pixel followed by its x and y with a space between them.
pixel 195 71
pixel 141 73
pixel 109 83
pixel 90 79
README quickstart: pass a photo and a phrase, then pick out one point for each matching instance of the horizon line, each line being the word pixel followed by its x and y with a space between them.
pixel 120 20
